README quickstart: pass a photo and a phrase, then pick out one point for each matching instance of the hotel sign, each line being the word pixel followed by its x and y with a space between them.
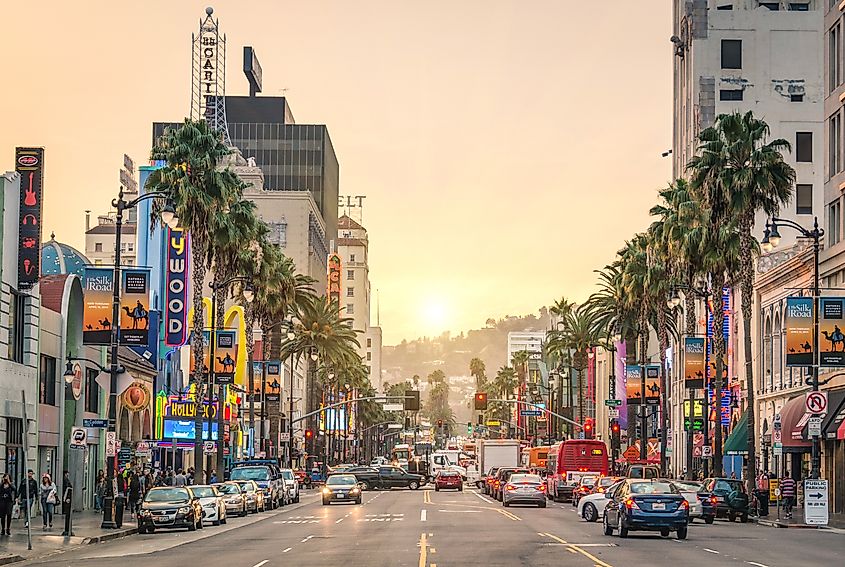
pixel 334 273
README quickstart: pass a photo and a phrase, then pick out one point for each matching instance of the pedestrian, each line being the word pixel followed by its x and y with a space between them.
pixel 67 491
pixel 49 498
pixel 787 493
pixel 134 493
pixel 7 501
pixel 180 479
pixel 763 494
pixel 100 491
pixel 27 494
pixel 213 476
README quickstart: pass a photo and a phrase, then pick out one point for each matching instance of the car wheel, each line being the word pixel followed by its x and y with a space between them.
pixel 151 530
pixel 358 501
pixel 709 519
pixel 682 532
pixel 505 503
pixel 200 524
pixel 215 522
pixel 731 516
pixel 589 512
pixel 543 504
pixel 744 518
pixel 436 489
pixel 461 489
pixel 325 503
pixel 623 529
pixel 365 485
pixel 192 527
pixel 607 529
pixel 664 532
pixel 413 485
pixel 142 530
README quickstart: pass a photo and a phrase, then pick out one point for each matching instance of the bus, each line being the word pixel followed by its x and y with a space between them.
pixel 535 458
pixel 570 460
pixel 401 455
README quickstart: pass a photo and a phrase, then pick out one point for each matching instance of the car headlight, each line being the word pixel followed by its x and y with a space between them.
pixel 145 512
pixel 184 510
pixel 354 491
pixel 327 490
pixel 233 501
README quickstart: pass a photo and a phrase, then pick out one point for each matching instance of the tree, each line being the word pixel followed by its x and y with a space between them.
pixel 478 370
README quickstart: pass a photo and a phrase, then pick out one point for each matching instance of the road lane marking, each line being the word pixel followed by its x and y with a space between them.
pixel 507 514
pixel 423 515
pixel 286 549
pixel 577 549
pixel 306 539
pixel 710 550
pixel 756 564
pixel 339 520
pixel 484 498
pixel 262 563
pixel 461 511
pixel 423 550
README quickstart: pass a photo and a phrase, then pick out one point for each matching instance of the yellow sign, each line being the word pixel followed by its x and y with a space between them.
pixel 493 423
pixel 698 405
pixel 774 493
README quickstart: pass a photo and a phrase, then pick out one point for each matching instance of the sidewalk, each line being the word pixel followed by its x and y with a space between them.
pixel 86 530
pixel 836 522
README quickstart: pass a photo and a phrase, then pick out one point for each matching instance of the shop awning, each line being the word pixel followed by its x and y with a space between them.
pixel 833 426
pixel 737 441
pixel 793 419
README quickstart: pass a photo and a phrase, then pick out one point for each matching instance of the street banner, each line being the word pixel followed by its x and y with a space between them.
pixel 633 384
pixel 134 307
pixel 694 362
pixel 273 390
pixel 176 291
pixel 97 307
pixel 799 331
pixel 225 356
pixel 29 163
pixel 831 334
pixel 652 384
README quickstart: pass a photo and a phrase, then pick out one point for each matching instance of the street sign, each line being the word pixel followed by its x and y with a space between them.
pixel 707 451
pixel 816 402
pixel 777 437
pixel 393 407
pixel 95 423
pixel 613 403
pixel 111 443
pixel 208 447
pixel 527 412
pixel 776 423
pixel 815 502
pixel 612 413
pixel 631 453
pixel 777 449
pixel 493 423
pixel 774 489
pixel 696 451
pixel 142 449
pixel 284 437
pixel 814 427
pixel 78 438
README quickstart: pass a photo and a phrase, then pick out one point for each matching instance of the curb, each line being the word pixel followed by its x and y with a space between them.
pixel 109 536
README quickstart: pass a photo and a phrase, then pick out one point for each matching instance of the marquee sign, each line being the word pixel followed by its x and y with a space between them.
pixel 334 285
pixel 176 293
pixel 29 163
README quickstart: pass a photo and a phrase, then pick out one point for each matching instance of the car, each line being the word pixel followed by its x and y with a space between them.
pixel 488 480
pixel 388 477
pixel 502 478
pixel 233 498
pixel 213 507
pixel 591 507
pixel 729 496
pixel 378 461
pixel 524 488
pixel 303 478
pixel 169 507
pixel 266 475
pixel 291 486
pixel 646 505
pixel 585 487
pixel 700 506
pixel 448 479
pixel 642 471
pixel 254 496
pixel 341 488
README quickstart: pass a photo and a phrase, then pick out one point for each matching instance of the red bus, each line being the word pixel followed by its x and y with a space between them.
pixel 570 460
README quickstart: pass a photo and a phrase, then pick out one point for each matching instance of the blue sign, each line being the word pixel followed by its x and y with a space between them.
pixel 95 423
pixel 526 412
pixel 179 429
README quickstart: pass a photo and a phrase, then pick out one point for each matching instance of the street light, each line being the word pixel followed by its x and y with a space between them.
pixel 168 215
pixel 771 239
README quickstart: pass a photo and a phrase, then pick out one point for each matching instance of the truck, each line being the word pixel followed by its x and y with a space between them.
pixel 497 453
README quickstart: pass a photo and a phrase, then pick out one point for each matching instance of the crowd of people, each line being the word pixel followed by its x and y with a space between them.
pixel 19 501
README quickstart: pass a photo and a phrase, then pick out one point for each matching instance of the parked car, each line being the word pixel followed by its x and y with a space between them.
pixel 729 496
pixel 488 480
pixel 502 478
pixel 524 488
pixel 591 507
pixel 447 479
pixel 169 507
pixel 585 487
pixel 303 478
pixel 388 477
pixel 213 507
pixel 646 505
pixel 266 475
pixel 642 471
pixel 233 498
pixel 254 496
pixel 341 488
pixel 291 485
pixel 700 505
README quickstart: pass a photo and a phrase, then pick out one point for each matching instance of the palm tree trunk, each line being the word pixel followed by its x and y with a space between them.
pixel 198 254
pixel 719 344
pixel 689 299
pixel 746 288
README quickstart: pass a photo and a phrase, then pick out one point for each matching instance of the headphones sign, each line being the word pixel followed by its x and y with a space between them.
pixel 29 163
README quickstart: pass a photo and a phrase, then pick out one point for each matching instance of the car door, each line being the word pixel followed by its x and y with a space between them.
pixel 385 475
pixel 612 509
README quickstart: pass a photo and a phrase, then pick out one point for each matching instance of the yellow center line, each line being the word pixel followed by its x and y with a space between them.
pixel 575 549
pixel 513 517
pixel 423 551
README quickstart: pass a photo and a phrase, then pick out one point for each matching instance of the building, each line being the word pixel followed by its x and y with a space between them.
pixel 99 240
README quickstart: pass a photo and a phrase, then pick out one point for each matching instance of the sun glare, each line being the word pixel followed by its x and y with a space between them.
pixel 434 314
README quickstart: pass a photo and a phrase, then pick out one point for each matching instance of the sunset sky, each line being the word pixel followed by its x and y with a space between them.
pixel 506 148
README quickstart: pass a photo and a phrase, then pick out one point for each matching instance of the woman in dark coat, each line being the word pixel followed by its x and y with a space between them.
pixel 7 502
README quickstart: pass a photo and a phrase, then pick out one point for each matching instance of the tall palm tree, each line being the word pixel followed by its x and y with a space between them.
pixel 478 370
pixel 741 173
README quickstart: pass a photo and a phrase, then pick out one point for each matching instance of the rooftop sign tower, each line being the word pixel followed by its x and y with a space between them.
pixel 208 76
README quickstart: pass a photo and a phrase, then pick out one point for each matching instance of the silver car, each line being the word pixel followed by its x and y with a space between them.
pixel 690 491
pixel 524 489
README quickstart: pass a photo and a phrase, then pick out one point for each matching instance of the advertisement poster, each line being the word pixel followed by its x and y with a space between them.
pixel 29 163
pixel 799 331
pixel 97 308
pixel 134 307
pixel 633 384
pixel 652 384
pixel 694 362
pixel 273 391
pixel 225 356
pixel 176 293
pixel 831 334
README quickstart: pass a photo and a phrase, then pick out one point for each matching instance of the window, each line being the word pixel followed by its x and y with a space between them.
pixel 804 146
pixel 98 247
pixel 369 370
pixel 725 7
pixel 369 343
pixel 833 146
pixel 833 48
pixel 796 98
pixel 47 381
pixel 730 94
pixel 350 274
pixel 92 391
pixel 834 218
pixel 350 292
pixel 731 54
pixel 773 6
pixel 369 356
pixel 17 320
pixel 804 199
pixel 350 308
pixel 352 257
pixel 14 448
pixel 799 7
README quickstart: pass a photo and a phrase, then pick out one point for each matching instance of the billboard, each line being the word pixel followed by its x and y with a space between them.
pixel 334 287
pixel 633 384
pixel 831 335
pixel 273 390
pixel 799 331
pixel 225 356
pixel 176 291
pixel 134 307
pixel 652 384
pixel 694 362
pixel 29 163
pixel 97 308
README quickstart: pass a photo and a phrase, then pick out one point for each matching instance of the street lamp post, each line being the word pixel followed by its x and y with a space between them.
pixel 771 239
pixel 169 217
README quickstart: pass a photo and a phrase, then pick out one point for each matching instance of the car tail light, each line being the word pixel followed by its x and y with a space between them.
pixel 510 487
pixel 714 500
pixel 685 504
pixel 541 488
pixel 631 504
pixel 600 489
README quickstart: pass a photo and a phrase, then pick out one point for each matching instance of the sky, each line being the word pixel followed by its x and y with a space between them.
pixel 507 148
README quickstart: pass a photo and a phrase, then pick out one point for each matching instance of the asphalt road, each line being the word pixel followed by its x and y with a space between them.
pixel 429 529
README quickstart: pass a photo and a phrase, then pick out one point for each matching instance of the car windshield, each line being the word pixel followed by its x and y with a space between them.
pixel 288 475
pixel 341 480
pixel 448 473
pixel 229 488
pixel 203 491
pixel 588 480
pixel 250 473
pixel 688 486
pixel 728 486
pixel 525 479
pixel 246 486
pixel 607 481
pixel 168 495
pixel 653 488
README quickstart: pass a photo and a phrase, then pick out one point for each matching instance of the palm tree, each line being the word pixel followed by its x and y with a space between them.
pixel 741 173
pixel 478 370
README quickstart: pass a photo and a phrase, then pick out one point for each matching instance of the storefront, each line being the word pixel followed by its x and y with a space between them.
pixel 833 449
pixel 796 446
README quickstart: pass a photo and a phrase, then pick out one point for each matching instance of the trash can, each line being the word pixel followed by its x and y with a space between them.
pixel 762 503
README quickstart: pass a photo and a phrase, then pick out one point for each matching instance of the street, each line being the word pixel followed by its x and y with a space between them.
pixel 428 528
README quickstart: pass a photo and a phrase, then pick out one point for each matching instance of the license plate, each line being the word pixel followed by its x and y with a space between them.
pixel 162 519
pixel 658 506
pixel 720 499
pixel 340 495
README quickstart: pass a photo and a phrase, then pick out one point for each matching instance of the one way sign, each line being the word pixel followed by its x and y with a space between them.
pixel 815 502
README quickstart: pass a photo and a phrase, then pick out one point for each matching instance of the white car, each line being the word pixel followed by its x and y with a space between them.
pixel 591 507
pixel 213 507
pixel 291 485
pixel 689 490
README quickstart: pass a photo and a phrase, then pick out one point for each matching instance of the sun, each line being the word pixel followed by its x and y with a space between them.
pixel 435 314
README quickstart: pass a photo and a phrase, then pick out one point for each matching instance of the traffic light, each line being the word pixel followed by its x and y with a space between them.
pixel 309 434
pixel 615 435
pixel 481 401
pixel 412 400
pixel 439 424
pixel 588 428
pixel 469 428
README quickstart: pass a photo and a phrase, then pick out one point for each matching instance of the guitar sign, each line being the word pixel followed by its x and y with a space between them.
pixel 30 166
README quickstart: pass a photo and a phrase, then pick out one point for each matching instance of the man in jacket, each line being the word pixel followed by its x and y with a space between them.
pixel 28 494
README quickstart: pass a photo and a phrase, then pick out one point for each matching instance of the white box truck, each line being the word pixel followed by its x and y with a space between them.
pixel 497 453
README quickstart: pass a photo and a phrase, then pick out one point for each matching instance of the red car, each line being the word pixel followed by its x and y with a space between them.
pixel 448 479
pixel 302 477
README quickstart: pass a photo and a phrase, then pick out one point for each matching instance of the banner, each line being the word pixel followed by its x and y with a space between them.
pixel 334 287
pixel 176 290
pixel 96 314
pixel 633 384
pixel 134 307
pixel 694 362
pixel 799 331
pixel 225 356
pixel 273 390
pixel 652 384
pixel 29 163
pixel 831 336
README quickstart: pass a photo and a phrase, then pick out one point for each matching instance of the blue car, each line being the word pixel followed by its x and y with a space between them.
pixel 646 505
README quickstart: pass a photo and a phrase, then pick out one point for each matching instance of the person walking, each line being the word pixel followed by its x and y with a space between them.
pixel 7 501
pixel 134 493
pixel 49 498
pixel 99 490
pixel 787 493
pixel 67 491
pixel 28 494
pixel 180 479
